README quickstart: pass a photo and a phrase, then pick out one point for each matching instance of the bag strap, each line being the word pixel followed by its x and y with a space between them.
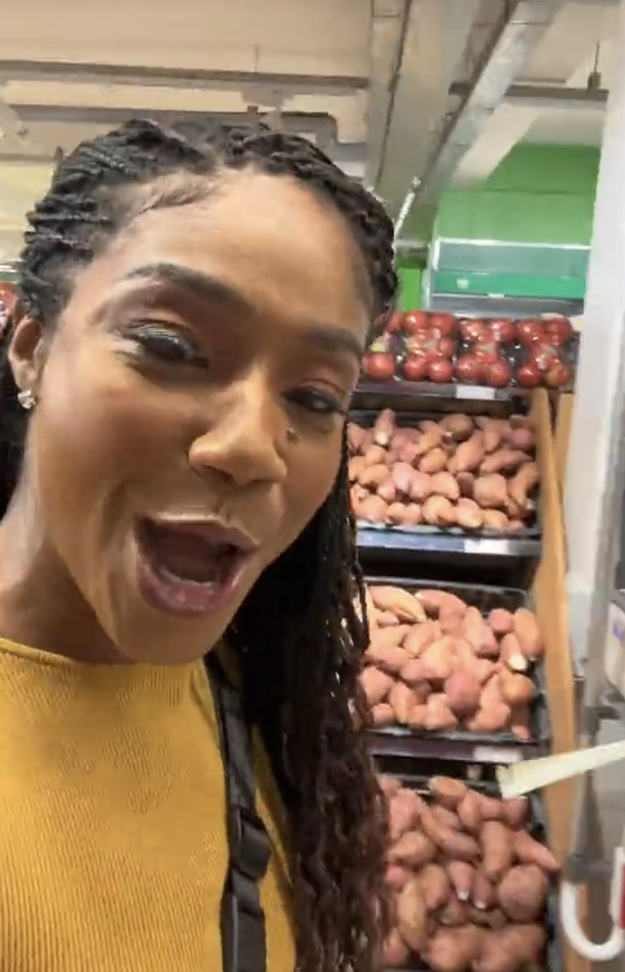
pixel 243 934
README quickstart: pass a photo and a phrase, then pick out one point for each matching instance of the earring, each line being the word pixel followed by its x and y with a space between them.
pixel 291 435
pixel 27 399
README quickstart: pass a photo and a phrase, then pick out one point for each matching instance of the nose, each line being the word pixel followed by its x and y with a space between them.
pixel 246 439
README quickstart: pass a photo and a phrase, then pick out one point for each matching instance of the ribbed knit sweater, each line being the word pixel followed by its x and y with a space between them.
pixel 113 850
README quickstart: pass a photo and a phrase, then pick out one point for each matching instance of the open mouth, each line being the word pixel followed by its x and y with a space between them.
pixel 189 568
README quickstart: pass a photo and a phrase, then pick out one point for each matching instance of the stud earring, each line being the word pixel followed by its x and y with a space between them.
pixel 27 399
pixel 291 435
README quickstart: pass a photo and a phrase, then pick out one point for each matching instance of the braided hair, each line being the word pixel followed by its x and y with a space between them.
pixel 299 664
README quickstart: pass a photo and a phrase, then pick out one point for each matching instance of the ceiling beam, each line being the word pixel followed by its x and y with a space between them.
pixel 134 75
pixel 546 96
pixel 521 25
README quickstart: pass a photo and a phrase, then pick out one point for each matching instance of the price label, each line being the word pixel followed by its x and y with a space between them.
pixel 475 393
pixel 484 546
pixel 497 754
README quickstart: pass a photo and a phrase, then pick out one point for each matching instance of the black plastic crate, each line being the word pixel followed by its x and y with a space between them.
pixel 533 528
pixel 483 780
pixel 510 748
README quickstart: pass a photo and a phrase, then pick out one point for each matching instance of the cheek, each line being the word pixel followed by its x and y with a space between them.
pixel 312 475
pixel 96 434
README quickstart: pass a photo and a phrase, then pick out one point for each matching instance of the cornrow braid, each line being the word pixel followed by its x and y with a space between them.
pixel 299 665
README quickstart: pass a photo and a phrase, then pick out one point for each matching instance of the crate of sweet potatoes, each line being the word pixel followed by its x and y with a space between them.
pixel 455 660
pixel 457 473
pixel 471 880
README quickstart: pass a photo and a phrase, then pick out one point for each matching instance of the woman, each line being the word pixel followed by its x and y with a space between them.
pixel 174 390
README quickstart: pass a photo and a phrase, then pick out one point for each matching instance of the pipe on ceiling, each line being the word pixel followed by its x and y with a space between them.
pixel 546 97
pixel 520 27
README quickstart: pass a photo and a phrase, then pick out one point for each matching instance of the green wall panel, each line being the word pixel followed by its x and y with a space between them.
pixel 410 279
pixel 539 194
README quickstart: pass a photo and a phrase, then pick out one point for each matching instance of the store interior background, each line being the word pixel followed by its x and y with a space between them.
pixel 379 85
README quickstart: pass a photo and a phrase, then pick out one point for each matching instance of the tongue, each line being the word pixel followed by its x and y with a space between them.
pixel 190 558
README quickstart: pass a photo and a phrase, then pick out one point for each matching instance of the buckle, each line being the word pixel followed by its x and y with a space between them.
pixel 250 847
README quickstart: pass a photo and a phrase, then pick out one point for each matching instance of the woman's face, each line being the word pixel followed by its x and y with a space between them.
pixel 190 409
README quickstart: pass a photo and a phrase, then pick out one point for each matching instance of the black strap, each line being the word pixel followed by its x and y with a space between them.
pixel 243 935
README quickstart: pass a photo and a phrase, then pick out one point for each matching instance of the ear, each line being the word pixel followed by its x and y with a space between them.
pixel 26 353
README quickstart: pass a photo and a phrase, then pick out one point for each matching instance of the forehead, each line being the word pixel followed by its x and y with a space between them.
pixel 290 253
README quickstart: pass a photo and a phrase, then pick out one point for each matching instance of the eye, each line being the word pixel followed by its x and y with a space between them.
pixel 317 402
pixel 166 344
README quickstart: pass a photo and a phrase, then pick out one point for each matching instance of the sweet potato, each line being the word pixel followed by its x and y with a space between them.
pixel 515 811
pixel 375 456
pixel 522 893
pixel 528 634
pixel 382 714
pixel 396 876
pixel 497 849
pixel 445 816
pixel 389 659
pixel 510 948
pixel 435 886
pixel 413 515
pixel 396 514
pixel 402 700
pixel 511 654
pixel 389 786
pixel 454 949
pixel 388 493
pixel 403 604
pixel 490 492
pixel 430 439
pixel 501 621
pixel 421 486
pixel 469 454
pixel 418 718
pixel 492 918
pixel 458 425
pixel 454 845
pixel 438 659
pixel 448 792
pixel 411 915
pixel 495 520
pixel 516 690
pixel 469 516
pixel 453 914
pixel 469 812
pixel 401 475
pixel 375 684
pixel 374 476
pixel 404 810
pixel 460 874
pixel 384 427
pixel 372 509
pixel 503 460
pixel 355 436
pixel 433 461
pixel 490 719
pixel 465 482
pixel 479 635
pixel 414 849
pixel 355 467
pixel 483 894
pixel 522 484
pixel 463 691
pixel 530 851
pixel 439 717
pixel 396 953
pixel 419 637
pixel 520 438
pixel 439 512
pixel 520 724
pixel 444 484
pixel 490 808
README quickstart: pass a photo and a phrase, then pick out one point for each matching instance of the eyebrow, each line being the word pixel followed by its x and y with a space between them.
pixel 326 338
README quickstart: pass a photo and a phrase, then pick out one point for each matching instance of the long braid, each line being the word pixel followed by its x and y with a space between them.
pixel 299 664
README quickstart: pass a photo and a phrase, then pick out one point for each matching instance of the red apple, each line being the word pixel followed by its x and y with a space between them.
pixel 415 367
pixel 416 320
pixel 379 365
pixel 528 375
pixel 443 324
pixel 498 374
pixel 469 370
pixel 473 330
pixel 487 351
pixel 559 329
pixel 441 371
pixel 447 347
pixel 558 375
pixel 529 331
pixel 502 330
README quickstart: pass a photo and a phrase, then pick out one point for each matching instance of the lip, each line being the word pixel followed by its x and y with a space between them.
pixel 182 597
pixel 211 530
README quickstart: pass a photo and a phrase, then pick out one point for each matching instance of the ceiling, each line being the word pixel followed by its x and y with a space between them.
pixel 370 82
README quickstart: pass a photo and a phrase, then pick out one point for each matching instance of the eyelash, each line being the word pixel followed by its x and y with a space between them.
pixel 169 346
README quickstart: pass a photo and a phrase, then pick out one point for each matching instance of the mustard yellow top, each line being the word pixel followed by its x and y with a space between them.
pixel 112 820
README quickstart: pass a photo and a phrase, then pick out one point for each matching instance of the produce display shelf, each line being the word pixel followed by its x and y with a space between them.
pixel 397 741
pixel 483 780
pixel 382 539
pixel 458 744
pixel 396 388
